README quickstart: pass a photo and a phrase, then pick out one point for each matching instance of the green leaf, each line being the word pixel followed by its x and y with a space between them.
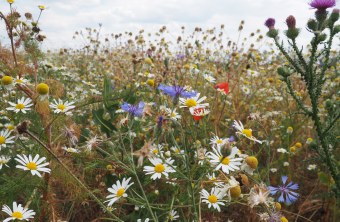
pixel 107 93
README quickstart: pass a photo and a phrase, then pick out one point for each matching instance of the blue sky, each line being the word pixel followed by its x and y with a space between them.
pixel 63 17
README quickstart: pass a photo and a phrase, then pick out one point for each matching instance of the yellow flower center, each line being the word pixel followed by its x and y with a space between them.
pixel 2 140
pixel 17 215
pixel 235 191
pixel 7 80
pixel 61 107
pixel 159 168
pixel 177 151
pixel 212 199
pixel 150 82
pixel 283 219
pixel 19 106
pixel 120 192
pixel 190 103
pixel 247 132
pixel 298 145
pixel 155 151
pixel 19 81
pixel 31 166
pixel 42 89
pixel 173 115
pixel 219 141
pixel 225 161
pixel 252 162
pixel 10 127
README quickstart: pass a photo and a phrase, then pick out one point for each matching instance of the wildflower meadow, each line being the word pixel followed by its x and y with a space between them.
pixel 140 127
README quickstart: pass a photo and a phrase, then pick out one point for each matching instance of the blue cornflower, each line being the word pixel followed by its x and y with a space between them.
pixel 176 91
pixel 134 110
pixel 286 191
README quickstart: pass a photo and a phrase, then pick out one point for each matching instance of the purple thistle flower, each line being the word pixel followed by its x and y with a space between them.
pixel 270 23
pixel 322 4
pixel 133 110
pixel 286 191
pixel 176 91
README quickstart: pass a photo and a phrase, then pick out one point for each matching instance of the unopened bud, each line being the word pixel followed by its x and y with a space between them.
pixel 292 33
pixel 312 24
pixel 272 33
pixel 334 15
pixel 291 22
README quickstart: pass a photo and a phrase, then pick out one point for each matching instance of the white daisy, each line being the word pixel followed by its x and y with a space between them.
pixel 228 163
pixel 18 213
pixel 156 150
pixel 22 105
pixel 214 198
pixel 245 132
pixel 62 107
pixel 218 141
pixel 159 168
pixel 3 161
pixel 193 102
pixel 146 220
pixel 252 73
pixel 310 167
pixel 118 190
pixel 5 138
pixel 209 78
pixel 246 90
pixel 172 114
pixel 177 150
pixel 19 80
pixel 70 149
pixel 33 164
pixel 173 215
pixel 7 82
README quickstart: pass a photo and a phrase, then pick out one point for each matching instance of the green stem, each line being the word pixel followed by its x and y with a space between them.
pixel 73 176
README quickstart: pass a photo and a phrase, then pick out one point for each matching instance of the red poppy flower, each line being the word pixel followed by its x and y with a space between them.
pixel 198 113
pixel 223 86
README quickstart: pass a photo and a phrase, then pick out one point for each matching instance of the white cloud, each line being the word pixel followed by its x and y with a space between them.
pixel 63 17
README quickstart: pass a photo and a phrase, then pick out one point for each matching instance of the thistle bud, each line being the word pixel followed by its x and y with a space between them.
pixel 282 71
pixel 292 33
pixel 272 33
pixel 291 22
pixel 336 29
pixel 312 24
pixel 322 37
pixel 334 15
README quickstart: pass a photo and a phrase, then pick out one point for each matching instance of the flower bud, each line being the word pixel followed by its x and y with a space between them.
pixel 291 22
pixel 334 15
pixel 282 71
pixel 312 24
pixel 322 37
pixel 292 33
pixel 272 33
